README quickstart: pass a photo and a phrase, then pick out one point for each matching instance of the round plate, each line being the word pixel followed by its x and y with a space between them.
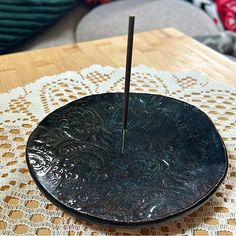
pixel 174 159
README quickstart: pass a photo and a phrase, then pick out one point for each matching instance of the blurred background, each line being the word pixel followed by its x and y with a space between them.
pixel 33 24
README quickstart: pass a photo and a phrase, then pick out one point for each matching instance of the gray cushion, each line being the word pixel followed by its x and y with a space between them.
pixel 223 42
pixel 112 19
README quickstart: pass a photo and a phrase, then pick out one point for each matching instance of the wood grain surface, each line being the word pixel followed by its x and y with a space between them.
pixel 167 50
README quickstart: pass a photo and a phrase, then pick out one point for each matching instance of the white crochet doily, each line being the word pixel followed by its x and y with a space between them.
pixel 23 209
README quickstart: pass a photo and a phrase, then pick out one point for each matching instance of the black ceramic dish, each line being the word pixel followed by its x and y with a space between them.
pixel 174 159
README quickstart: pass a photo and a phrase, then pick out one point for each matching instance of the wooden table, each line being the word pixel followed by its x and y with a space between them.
pixel 166 49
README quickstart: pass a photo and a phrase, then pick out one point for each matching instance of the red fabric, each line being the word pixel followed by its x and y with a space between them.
pixel 227 12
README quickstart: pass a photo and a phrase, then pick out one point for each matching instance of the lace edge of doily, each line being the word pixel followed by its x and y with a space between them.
pixel 141 68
